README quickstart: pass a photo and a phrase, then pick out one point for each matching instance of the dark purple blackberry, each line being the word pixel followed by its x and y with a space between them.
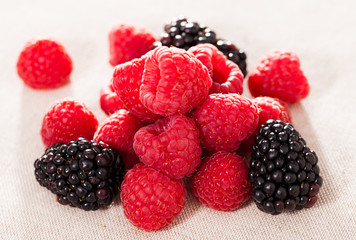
pixel 184 33
pixel 283 170
pixel 82 173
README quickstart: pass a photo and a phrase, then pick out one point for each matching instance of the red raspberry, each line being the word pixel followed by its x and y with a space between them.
pixel 130 158
pixel 222 182
pixel 44 64
pixel 109 101
pixel 226 75
pixel 150 199
pixel 127 42
pixel 278 74
pixel 174 81
pixel 268 108
pixel 171 145
pixel 118 130
pixel 224 120
pixel 127 79
pixel 66 121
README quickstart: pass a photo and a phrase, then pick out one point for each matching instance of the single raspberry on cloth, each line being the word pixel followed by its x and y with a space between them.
pixel 44 64
pixel 174 81
pixel 150 199
pixel 225 120
pixel 268 108
pixel 222 182
pixel 66 121
pixel 127 79
pixel 278 75
pixel 127 42
pixel 118 130
pixel 226 75
pixel 109 101
pixel 171 146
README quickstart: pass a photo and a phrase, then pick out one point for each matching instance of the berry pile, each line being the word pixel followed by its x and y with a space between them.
pixel 82 173
pixel 176 111
pixel 185 33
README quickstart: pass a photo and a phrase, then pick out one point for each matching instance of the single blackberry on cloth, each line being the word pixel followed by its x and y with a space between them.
pixel 283 170
pixel 82 173
pixel 184 33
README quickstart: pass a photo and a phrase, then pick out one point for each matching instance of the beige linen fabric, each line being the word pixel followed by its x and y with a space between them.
pixel 321 32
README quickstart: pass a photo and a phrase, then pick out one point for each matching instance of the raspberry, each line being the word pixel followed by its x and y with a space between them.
pixel 283 170
pixel 44 64
pixel 226 75
pixel 174 81
pixel 171 145
pixel 109 101
pixel 118 130
pixel 127 79
pixel 82 173
pixel 67 120
pixel 278 75
pixel 127 42
pixel 184 33
pixel 268 108
pixel 224 120
pixel 151 200
pixel 222 182
pixel 130 158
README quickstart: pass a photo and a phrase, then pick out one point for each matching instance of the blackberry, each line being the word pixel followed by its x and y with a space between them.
pixel 184 33
pixel 283 170
pixel 82 173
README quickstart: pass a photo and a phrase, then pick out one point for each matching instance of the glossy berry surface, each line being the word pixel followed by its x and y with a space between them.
pixel 150 199
pixel 283 170
pixel 44 64
pixel 67 120
pixel 82 173
pixel 222 182
pixel 185 33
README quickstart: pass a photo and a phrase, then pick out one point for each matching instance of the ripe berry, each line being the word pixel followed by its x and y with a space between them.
pixel 84 185
pixel 44 64
pixel 283 170
pixel 67 120
pixel 150 199
pixel 127 42
pixel 171 146
pixel 222 182
pixel 278 75
pixel 109 101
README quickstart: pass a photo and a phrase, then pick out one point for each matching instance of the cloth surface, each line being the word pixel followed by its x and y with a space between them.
pixel 322 33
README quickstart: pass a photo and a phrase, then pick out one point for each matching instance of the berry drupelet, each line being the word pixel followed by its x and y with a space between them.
pixel 82 173
pixel 283 170
pixel 184 33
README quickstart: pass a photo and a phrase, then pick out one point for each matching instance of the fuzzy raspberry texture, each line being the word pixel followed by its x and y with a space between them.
pixel 278 75
pixel 174 81
pixel 66 121
pixel 222 182
pixel 225 120
pixel 150 199
pixel 44 64
pixel 226 75
pixel 268 108
pixel 118 130
pixel 109 101
pixel 127 42
pixel 171 146
pixel 127 80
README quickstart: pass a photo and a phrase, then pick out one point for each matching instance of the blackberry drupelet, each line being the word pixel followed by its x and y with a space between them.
pixel 283 170
pixel 82 173
pixel 184 33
